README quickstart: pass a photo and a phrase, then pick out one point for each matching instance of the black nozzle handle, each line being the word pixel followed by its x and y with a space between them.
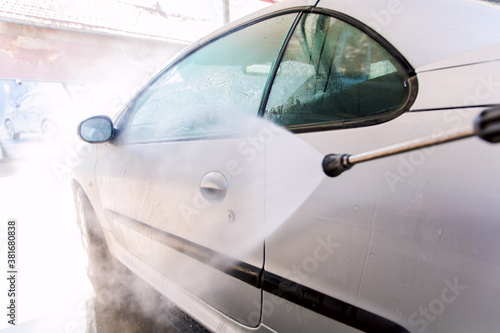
pixel 487 125
pixel 335 164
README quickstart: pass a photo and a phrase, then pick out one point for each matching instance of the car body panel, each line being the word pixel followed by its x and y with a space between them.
pixel 404 243
pixel 382 227
pixel 166 202
pixel 278 311
pixel 199 310
pixel 485 54
pixel 463 86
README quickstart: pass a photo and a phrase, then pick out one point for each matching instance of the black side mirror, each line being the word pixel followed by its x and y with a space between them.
pixel 96 129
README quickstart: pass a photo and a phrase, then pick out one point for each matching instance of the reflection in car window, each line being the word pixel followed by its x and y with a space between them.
pixel 225 77
pixel 333 73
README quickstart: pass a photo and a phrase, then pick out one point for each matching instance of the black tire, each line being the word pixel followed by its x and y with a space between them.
pixel 100 265
pixel 108 276
pixel 11 132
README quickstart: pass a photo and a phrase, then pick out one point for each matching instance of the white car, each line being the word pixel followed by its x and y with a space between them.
pixel 40 111
pixel 209 184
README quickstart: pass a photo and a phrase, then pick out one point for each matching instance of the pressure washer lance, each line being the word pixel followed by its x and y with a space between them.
pixel 486 126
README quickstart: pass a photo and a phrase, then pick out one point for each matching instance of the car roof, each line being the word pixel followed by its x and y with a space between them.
pixel 430 34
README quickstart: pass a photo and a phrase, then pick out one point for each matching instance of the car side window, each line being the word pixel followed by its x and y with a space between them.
pixel 334 73
pixel 27 101
pixel 217 81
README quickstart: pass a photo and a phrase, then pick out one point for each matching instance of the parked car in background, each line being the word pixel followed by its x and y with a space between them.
pixel 194 190
pixel 41 110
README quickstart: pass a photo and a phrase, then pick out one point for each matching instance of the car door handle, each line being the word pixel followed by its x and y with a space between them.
pixel 213 186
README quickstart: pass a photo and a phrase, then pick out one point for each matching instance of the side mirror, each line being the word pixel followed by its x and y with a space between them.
pixel 96 129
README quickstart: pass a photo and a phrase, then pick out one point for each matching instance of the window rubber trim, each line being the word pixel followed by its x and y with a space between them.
pixel 360 122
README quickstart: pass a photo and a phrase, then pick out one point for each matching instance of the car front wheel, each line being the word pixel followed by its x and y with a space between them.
pixel 110 279
pixel 11 132
pixel 98 260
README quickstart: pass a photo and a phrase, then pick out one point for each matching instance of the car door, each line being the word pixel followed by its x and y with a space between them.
pixel 182 183
pixel 334 81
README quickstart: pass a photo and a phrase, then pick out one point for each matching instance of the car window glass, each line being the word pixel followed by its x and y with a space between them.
pixel 223 78
pixel 27 102
pixel 334 73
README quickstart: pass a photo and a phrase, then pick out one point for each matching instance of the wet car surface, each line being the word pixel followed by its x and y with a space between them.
pixel 391 244
pixel 211 183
